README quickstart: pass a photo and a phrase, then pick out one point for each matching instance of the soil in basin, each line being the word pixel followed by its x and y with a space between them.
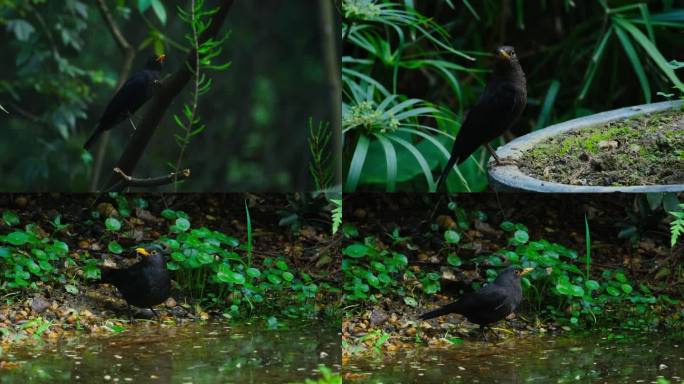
pixel 646 149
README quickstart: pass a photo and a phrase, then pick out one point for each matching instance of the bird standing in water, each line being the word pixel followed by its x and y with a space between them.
pixel 490 304
pixel 132 95
pixel 500 105
pixel 145 283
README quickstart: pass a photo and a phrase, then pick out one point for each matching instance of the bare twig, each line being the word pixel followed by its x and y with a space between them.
pixel 129 181
pixel 129 55
pixel 168 91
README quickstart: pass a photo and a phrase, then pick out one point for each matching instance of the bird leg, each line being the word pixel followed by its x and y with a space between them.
pixel 156 315
pixel 130 313
pixel 484 335
pixel 130 118
pixel 497 158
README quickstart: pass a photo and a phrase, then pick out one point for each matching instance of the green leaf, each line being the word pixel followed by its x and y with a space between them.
pixel 621 277
pixel 115 247
pixel 521 236
pixel 10 218
pixel 452 237
pixel 613 291
pixel 168 214
pixel 280 264
pixel 112 224
pixel 71 288
pixel 159 10
pixel 287 276
pixel 591 285
pixel 253 272
pixel 356 164
pixel 626 288
pixel 355 250
pixel 17 238
pixel 410 301
pixel 182 224
pixel 455 340
pixel 454 260
pixel 507 226
pixel 178 256
pixel 22 29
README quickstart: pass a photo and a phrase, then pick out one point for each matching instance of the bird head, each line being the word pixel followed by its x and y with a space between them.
pixel 149 251
pixel 506 52
pixel 512 273
pixel 155 62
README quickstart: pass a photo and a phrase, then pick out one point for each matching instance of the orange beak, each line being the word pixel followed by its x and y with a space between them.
pixel 503 54
pixel 161 58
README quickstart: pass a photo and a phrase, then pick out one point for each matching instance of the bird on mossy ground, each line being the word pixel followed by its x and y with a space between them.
pixel 144 284
pixel 135 92
pixel 489 304
pixel 498 108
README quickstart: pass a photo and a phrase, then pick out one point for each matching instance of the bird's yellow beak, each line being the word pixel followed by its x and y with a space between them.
pixel 161 58
pixel 525 271
pixel 142 251
pixel 503 55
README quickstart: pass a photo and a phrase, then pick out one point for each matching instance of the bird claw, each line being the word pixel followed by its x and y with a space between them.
pixel 504 162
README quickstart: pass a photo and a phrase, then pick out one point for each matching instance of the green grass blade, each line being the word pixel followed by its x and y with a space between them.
pixel 419 158
pixel 593 65
pixel 549 100
pixel 636 63
pixel 356 165
pixel 391 161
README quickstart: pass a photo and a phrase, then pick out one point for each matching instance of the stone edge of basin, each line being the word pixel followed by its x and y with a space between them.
pixel 509 178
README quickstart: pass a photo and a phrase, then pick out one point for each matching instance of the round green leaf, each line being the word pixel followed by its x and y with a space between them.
pixel 591 285
pixel 112 224
pixel 287 276
pixel 355 250
pixel 10 218
pixel 17 238
pixel 507 226
pixel 613 291
pixel 182 224
pixel 521 236
pixel 454 260
pixel 253 272
pixel 626 288
pixel 115 247
pixel 452 237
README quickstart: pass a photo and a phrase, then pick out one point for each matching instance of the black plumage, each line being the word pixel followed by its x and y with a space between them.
pixel 491 303
pixel 129 98
pixel 500 105
pixel 145 283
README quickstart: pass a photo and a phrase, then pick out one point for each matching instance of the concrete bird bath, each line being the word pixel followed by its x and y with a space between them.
pixel 509 178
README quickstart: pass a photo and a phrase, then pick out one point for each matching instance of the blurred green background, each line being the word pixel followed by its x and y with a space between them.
pixel 412 69
pixel 60 66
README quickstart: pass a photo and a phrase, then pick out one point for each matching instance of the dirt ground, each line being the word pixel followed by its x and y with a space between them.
pixel 643 150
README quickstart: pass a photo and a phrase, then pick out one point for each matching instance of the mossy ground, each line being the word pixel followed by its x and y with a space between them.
pixel 642 150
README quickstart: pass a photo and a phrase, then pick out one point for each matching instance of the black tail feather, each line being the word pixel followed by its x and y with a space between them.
pixel 93 138
pixel 445 310
pixel 445 172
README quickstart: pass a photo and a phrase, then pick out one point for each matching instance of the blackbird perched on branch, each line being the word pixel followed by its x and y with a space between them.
pixel 132 95
pixel 145 283
pixel 490 304
pixel 500 105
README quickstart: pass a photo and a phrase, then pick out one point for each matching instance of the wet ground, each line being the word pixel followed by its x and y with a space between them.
pixel 197 353
pixel 594 358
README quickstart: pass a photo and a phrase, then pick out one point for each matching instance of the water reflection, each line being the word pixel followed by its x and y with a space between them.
pixel 586 359
pixel 210 353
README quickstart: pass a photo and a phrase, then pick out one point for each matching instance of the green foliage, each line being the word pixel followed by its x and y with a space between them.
pixel 199 20
pixel 321 165
pixel 677 225
pixel 29 255
pixel 328 377
pixel 414 52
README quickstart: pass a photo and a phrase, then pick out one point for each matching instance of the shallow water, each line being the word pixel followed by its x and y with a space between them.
pixel 196 353
pixel 586 359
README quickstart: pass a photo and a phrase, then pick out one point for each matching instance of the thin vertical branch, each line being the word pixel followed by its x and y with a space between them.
pixel 331 53
pixel 195 94
pixel 129 56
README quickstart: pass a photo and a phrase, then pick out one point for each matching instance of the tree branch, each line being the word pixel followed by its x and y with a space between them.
pixel 129 55
pixel 127 181
pixel 168 91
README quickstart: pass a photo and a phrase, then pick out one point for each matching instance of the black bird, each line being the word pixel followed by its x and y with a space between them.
pixel 132 95
pixel 145 283
pixel 491 303
pixel 500 105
